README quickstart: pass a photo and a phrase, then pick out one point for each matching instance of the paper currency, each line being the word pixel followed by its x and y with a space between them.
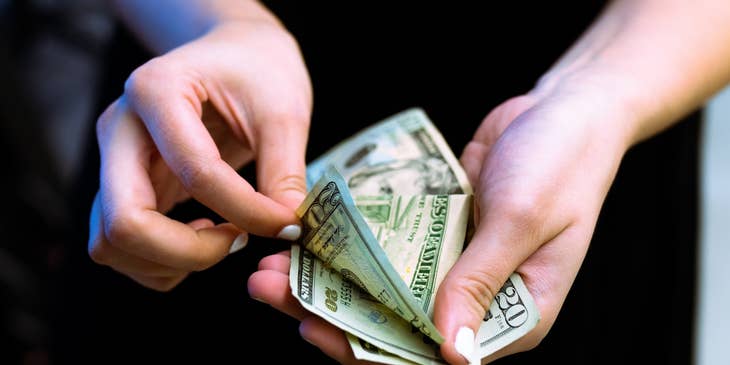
pixel 404 154
pixel 511 315
pixel 334 230
pixel 323 291
pixel 422 236
pixel 385 219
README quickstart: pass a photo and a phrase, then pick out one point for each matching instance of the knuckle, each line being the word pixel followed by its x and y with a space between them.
pixel 202 263
pixel 143 79
pixel 293 182
pixel 523 210
pixel 289 182
pixel 121 227
pixel 105 119
pixel 295 112
pixel 477 289
pixel 203 259
pixel 481 286
pixel 195 176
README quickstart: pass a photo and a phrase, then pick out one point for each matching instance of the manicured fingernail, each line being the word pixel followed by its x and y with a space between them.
pixel 464 342
pixel 290 232
pixel 240 242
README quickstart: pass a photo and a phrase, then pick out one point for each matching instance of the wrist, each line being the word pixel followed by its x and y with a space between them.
pixel 614 103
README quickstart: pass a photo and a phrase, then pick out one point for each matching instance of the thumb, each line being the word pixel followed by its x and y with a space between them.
pixel 280 162
pixel 497 248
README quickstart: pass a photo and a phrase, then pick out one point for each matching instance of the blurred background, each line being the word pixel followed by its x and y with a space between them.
pixel 62 62
pixel 713 318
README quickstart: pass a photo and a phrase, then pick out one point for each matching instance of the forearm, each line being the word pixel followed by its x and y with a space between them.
pixel 656 60
pixel 166 24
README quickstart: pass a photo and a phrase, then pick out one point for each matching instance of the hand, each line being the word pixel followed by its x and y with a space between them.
pixel 186 122
pixel 541 165
pixel 270 284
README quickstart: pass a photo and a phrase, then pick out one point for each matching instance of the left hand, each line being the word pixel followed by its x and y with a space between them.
pixel 186 122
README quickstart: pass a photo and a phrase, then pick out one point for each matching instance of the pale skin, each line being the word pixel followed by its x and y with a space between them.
pixel 229 87
pixel 542 163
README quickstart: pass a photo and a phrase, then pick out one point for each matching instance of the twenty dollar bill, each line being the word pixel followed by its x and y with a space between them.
pixel 385 219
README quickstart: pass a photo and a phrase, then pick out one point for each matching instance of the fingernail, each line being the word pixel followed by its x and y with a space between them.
pixel 290 232
pixel 240 242
pixel 464 342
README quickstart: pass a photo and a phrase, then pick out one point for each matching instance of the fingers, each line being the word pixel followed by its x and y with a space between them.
pixel 464 296
pixel 472 159
pixel 128 204
pixel 279 262
pixel 170 105
pixel 506 236
pixel 548 275
pixel 280 163
pixel 475 152
pixel 502 116
pixel 149 273
pixel 126 230
pixel 328 338
pixel 271 285
pixel 104 253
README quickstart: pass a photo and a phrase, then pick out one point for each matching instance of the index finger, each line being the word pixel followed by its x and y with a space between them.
pixel 127 209
pixel 172 115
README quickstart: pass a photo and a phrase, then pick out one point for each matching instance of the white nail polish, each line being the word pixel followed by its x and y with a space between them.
pixel 240 242
pixel 464 342
pixel 290 232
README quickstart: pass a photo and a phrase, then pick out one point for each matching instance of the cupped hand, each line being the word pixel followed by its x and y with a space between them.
pixel 186 122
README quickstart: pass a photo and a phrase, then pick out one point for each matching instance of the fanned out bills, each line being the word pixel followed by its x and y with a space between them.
pixel 385 219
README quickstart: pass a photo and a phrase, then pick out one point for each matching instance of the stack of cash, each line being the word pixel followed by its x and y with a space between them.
pixel 386 216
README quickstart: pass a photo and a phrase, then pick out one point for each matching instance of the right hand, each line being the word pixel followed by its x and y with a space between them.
pixel 186 122
pixel 541 165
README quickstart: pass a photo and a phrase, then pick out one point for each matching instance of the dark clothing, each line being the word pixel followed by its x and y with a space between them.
pixel 632 299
